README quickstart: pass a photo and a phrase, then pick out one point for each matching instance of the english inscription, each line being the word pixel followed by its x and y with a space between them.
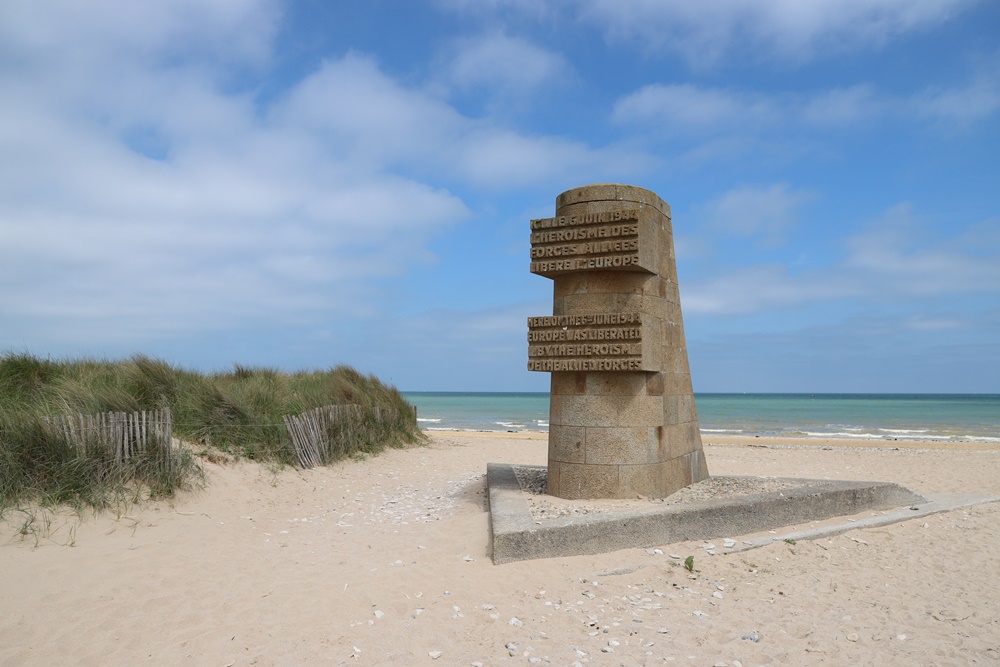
pixel 598 342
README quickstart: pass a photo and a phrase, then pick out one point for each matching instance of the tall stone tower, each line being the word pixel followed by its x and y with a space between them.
pixel 622 420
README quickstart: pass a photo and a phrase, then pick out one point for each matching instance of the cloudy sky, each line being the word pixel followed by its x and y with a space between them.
pixel 307 183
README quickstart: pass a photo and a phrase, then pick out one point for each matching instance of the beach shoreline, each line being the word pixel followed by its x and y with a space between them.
pixel 385 560
pixel 769 441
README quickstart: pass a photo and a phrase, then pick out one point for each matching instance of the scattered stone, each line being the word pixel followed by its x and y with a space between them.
pixel 729 544
pixel 515 621
pixel 752 637
pixel 379 613
pixel 853 637
pixel 435 654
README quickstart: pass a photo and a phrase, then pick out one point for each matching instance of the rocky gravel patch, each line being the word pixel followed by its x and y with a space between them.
pixel 532 480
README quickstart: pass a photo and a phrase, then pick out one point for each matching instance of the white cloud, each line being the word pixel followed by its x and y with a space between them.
pixel 705 32
pixel 681 109
pixel 142 193
pixel 892 260
pixel 967 104
pixel 900 256
pixel 843 106
pixel 709 31
pixel 760 288
pixel 138 197
pixel 767 213
pixel 508 65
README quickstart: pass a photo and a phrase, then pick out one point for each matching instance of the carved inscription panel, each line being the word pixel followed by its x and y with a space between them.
pixel 584 242
pixel 601 342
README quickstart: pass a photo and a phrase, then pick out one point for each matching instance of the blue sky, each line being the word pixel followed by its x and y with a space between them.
pixel 304 184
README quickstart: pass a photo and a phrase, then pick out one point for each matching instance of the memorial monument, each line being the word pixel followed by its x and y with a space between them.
pixel 622 419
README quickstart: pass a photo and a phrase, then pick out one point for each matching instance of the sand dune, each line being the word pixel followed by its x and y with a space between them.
pixel 386 561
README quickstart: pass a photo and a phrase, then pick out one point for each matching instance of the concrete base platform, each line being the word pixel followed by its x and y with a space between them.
pixel 592 527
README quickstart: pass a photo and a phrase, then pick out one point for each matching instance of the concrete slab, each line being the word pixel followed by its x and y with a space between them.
pixel 603 526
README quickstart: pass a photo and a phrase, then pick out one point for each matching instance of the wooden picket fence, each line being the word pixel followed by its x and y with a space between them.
pixel 330 432
pixel 124 435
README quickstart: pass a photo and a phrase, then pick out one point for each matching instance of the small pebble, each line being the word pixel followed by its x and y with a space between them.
pixel 435 654
pixel 853 637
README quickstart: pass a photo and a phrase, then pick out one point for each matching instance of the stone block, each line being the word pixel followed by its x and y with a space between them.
pixel 563 384
pixel 602 193
pixel 648 480
pixel 621 445
pixel 572 283
pixel 616 384
pixel 654 384
pixel 681 439
pixel 568 444
pixel 677 383
pixel 577 481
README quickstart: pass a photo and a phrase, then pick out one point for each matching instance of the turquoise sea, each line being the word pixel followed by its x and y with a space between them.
pixel 861 416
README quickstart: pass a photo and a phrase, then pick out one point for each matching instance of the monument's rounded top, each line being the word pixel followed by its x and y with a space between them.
pixel 612 192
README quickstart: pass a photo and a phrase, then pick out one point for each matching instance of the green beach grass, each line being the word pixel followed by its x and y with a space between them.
pixel 238 412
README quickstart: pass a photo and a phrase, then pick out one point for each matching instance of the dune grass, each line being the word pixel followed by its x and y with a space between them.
pixel 239 412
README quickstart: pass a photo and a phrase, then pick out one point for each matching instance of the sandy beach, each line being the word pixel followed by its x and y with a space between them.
pixel 386 561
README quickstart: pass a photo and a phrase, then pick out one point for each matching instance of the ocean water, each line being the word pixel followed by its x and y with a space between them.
pixel 860 416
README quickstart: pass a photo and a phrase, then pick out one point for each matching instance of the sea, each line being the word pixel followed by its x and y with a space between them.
pixel 942 417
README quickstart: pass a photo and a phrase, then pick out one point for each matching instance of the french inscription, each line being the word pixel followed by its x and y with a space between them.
pixel 607 240
pixel 585 219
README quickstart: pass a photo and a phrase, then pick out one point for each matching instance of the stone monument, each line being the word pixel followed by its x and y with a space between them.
pixel 622 419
